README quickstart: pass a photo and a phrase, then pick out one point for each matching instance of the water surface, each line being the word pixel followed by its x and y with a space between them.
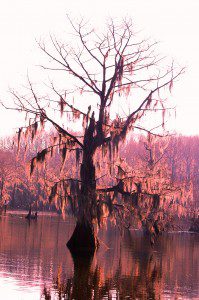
pixel 35 263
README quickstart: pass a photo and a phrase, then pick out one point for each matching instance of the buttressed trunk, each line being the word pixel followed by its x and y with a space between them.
pixel 83 238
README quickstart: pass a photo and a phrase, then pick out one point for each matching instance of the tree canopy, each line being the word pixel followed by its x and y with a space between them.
pixel 117 81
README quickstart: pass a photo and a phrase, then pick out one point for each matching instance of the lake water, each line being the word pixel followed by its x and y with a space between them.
pixel 35 263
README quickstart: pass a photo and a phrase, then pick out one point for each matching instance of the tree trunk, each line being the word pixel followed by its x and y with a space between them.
pixel 83 238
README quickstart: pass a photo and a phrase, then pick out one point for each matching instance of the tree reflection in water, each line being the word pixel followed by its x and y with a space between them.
pixel 125 267
pixel 129 279
pixel 134 270
pixel 89 285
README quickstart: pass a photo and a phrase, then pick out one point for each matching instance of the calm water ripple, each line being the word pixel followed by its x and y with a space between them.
pixel 35 264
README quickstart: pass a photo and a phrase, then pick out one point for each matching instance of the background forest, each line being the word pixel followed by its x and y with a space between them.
pixel 168 166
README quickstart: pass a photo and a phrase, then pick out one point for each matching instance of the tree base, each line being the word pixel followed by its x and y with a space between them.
pixel 83 240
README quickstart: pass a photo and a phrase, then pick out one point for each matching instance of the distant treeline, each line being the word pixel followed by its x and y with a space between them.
pixel 166 166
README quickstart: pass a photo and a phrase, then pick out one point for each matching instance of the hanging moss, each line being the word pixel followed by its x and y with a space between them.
pixel 104 150
pixel 149 101
pixel 115 145
pixel 35 126
pixel 77 152
pixel 19 138
pixel 76 114
pixel 110 151
pixel 72 204
pixel 33 129
pixel 84 123
pixel 51 151
pixel 120 70
pixel 99 214
pixel 62 104
pixel 41 155
pixel 74 188
pixel 60 138
pixel 42 119
pixel 109 204
pixel 32 165
pixel 53 193
pixel 64 152
pixel 163 118
pixel 110 169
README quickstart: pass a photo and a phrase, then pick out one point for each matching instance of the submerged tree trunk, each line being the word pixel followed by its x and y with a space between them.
pixel 84 238
pixel 82 279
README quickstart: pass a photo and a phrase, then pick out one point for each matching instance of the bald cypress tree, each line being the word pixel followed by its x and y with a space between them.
pixel 106 68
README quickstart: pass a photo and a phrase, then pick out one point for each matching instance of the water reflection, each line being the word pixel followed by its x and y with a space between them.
pixel 92 283
pixel 35 263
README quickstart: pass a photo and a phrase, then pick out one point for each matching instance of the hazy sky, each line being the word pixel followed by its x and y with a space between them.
pixel 174 23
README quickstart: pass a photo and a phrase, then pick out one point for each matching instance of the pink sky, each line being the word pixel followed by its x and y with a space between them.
pixel 174 23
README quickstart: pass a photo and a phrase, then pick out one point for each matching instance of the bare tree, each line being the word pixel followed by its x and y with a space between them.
pixel 113 67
